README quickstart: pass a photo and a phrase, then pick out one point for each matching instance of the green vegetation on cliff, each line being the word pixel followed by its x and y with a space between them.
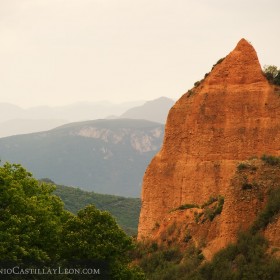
pixel 272 74
pixel 251 257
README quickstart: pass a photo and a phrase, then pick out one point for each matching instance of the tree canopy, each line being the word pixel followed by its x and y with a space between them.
pixel 272 74
pixel 34 226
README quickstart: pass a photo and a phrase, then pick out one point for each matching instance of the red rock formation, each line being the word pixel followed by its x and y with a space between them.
pixel 233 114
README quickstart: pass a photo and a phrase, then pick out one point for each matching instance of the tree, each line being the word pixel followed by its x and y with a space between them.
pixel 34 226
pixel 95 235
pixel 272 74
pixel 31 217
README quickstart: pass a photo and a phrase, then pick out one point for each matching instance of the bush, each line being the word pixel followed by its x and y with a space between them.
pixel 190 93
pixel 247 259
pixel 171 264
pixel 209 202
pixel 271 209
pixel 186 206
pixel 272 73
pixel 188 237
pixel 197 216
pixel 242 166
pixel 271 160
pixel 218 62
pixel 247 186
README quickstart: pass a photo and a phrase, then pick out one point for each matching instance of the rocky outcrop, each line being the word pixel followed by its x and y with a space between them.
pixel 230 116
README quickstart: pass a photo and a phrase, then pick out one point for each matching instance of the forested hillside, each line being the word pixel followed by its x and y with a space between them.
pixel 125 210
pixel 104 156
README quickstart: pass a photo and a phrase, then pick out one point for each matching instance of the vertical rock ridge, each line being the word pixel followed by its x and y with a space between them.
pixel 230 116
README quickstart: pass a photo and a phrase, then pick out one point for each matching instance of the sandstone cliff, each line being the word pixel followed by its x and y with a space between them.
pixel 232 115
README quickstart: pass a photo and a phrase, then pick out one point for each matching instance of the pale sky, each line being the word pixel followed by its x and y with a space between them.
pixel 56 52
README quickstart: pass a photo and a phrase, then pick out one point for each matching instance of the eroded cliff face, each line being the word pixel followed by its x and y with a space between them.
pixel 232 115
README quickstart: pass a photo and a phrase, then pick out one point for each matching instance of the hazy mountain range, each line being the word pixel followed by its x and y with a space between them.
pixel 15 120
pixel 23 126
pixel 154 110
pixel 75 112
pixel 105 156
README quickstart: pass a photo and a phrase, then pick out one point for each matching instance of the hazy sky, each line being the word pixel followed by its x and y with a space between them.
pixel 56 52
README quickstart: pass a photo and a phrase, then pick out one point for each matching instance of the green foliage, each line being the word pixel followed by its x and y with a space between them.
pixel 31 217
pixel 35 227
pixel 271 209
pixel 247 259
pixel 218 62
pixel 94 234
pixel 271 160
pixel 247 186
pixel 210 210
pixel 86 236
pixel 210 201
pixel 197 83
pixel 242 166
pixel 126 211
pixel 186 206
pixel 169 263
pixel 211 213
pixel 206 74
pixel 187 237
pixel 190 93
pixel 272 74
pixel 197 216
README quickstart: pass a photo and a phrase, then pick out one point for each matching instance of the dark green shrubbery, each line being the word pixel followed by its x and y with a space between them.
pixel 218 62
pixel 211 212
pixel 246 166
pixel 271 209
pixel 197 83
pixel 35 228
pixel 247 259
pixel 247 186
pixel 271 160
pixel 171 263
pixel 242 166
pixel 272 74
pixel 187 206
pixel 211 200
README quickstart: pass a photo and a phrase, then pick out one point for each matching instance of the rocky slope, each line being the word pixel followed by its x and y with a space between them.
pixel 230 116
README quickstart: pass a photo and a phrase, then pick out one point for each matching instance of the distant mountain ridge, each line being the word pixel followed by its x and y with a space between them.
pixel 15 120
pixel 74 112
pixel 154 110
pixel 23 126
pixel 104 156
